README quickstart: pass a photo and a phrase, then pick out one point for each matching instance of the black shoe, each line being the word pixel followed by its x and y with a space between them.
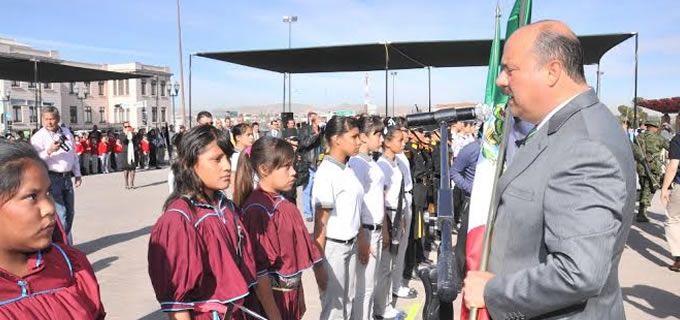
pixel 676 266
pixel 641 219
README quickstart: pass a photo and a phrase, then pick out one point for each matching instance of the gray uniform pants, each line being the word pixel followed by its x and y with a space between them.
pixel 399 260
pixel 367 278
pixel 340 264
pixel 383 288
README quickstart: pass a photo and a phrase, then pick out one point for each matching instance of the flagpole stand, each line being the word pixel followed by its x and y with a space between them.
pixel 441 281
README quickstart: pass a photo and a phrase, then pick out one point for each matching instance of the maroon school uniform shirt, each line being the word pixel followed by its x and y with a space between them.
pixel 60 285
pixel 200 259
pixel 282 246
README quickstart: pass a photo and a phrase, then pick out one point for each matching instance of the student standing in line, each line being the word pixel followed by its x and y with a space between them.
pixel 282 246
pixel 338 196
pixel 372 216
pixel 394 204
pixel 41 277
pixel 241 139
pixel 200 259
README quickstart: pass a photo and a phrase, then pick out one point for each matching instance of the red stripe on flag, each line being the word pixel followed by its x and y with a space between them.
pixel 473 255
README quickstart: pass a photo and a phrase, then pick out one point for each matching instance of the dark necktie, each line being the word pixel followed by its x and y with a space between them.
pixel 523 141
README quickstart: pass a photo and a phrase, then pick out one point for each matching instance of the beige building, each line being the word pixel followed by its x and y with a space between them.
pixel 107 104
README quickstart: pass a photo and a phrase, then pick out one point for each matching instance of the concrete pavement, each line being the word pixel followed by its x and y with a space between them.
pixel 112 226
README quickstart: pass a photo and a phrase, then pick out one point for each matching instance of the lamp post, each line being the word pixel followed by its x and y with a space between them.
pixel 82 91
pixel 289 20
pixel 599 78
pixel 394 76
pixel 173 90
pixel 5 111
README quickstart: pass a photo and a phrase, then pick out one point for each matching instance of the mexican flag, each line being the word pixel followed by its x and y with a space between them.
pixel 482 187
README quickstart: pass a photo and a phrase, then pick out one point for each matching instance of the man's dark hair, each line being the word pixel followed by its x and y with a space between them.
pixel 565 48
pixel 203 114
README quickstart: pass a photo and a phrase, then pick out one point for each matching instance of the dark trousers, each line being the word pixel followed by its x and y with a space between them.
pixel 62 192
pixel 461 241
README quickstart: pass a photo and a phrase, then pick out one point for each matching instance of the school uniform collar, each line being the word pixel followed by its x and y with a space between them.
pixel 334 161
pixel 364 156
pixel 221 199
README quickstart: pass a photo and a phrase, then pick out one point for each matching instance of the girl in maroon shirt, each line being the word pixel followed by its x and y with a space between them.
pixel 41 277
pixel 281 242
pixel 200 259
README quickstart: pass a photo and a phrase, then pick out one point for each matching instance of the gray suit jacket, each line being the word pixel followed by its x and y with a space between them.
pixel 564 212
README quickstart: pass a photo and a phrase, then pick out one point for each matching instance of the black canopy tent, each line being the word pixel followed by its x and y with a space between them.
pixel 394 55
pixel 37 70
pixel 48 70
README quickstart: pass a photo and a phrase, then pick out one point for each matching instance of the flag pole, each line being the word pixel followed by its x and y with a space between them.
pixel 493 208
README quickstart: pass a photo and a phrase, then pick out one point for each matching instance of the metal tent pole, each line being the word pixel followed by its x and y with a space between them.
pixel 429 89
pixel 190 116
pixel 635 91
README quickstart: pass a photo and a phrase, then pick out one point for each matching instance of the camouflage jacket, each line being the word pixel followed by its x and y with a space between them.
pixel 649 147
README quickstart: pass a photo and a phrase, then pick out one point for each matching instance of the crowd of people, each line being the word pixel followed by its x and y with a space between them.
pixel 232 242
pixel 353 176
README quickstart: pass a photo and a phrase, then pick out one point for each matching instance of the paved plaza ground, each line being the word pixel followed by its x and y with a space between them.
pixel 112 227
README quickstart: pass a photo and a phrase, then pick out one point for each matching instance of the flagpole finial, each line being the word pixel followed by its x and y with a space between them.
pixel 498 8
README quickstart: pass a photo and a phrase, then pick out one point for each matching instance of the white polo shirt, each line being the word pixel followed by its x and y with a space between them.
pixel 337 189
pixel 372 180
pixel 405 168
pixel 393 178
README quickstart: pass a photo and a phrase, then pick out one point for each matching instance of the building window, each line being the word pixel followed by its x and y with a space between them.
pixel 154 114
pixel 153 87
pixel 15 84
pixel 127 87
pixel 163 115
pixel 73 113
pixel 47 85
pixel 162 88
pixel 17 114
pixel 121 87
pixel 118 114
pixel 143 87
pixel 88 114
pixel 31 85
pixel 127 115
pixel 100 86
pixel 32 115
pixel 102 111
pixel 72 88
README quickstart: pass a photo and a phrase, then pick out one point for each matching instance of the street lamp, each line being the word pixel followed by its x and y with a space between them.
pixel 394 75
pixel 5 102
pixel 173 90
pixel 599 75
pixel 82 91
pixel 289 20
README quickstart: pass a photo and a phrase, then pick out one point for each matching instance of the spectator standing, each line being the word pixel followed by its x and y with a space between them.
pixel 310 147
pixel 104 154
pixel 145 148
pixel 130 154
pixel 55 146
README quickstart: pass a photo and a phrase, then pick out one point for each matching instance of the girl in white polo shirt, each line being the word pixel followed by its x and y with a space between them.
pixel 337 195
pixel 372 214
pixel 394 180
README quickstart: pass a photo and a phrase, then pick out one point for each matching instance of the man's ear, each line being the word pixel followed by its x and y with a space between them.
pixel 554 71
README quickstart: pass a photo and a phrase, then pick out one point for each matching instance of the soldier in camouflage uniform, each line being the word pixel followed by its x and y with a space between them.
pixel 648 148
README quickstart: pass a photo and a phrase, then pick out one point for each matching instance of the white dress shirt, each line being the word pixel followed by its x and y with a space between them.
pixel 60 160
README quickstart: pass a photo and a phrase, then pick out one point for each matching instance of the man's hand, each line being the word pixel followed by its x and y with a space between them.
pixel 665 197
pixel 79 181
pixel 321 276
pixel 53 148
pixel 364 244
pixel 473 288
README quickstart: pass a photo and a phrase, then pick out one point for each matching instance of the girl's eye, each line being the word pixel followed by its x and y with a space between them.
pixel 31 196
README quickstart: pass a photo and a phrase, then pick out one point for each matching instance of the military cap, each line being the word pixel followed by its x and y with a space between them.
pixel 653 123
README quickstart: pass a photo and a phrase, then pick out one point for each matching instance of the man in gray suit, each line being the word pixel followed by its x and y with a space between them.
pixel 566 201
